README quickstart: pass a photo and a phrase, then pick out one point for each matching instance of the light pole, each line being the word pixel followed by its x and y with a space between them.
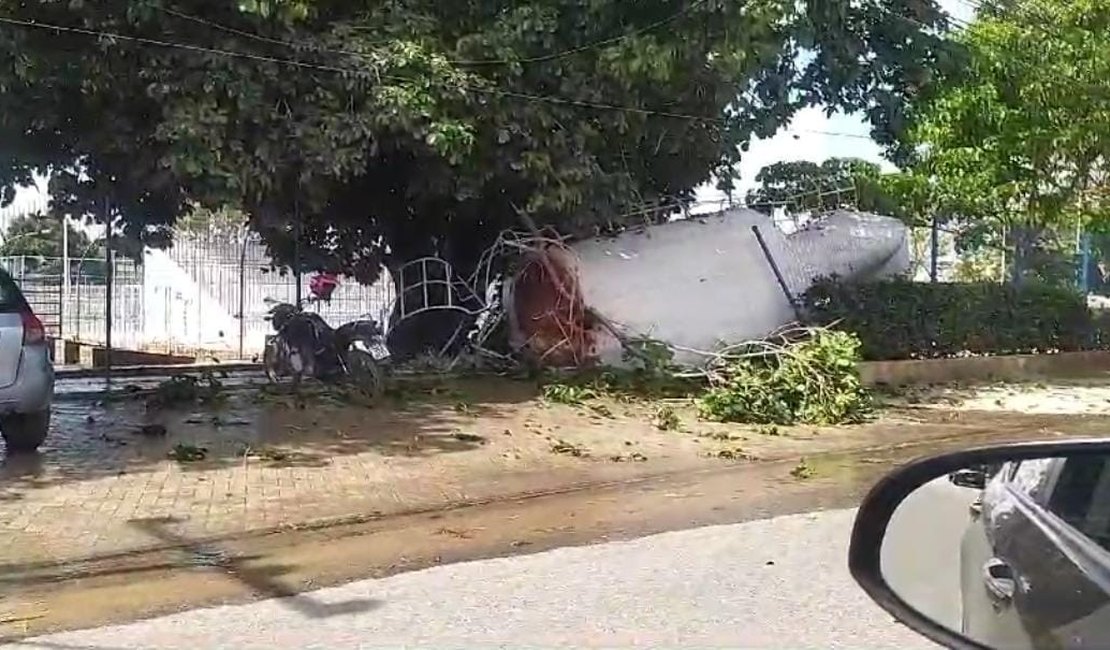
pixel 80 263
pixel 65 277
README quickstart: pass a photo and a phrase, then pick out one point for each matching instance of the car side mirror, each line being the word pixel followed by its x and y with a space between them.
pixel 1024 564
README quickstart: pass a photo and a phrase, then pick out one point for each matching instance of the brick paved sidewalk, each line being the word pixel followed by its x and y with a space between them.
pixel 270 464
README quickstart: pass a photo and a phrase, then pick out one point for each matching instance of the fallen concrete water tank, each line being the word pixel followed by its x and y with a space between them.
pixel 694 283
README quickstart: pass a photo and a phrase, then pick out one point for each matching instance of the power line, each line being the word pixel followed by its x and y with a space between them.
pixel 265 39
pixel 174 45
pixel 344 70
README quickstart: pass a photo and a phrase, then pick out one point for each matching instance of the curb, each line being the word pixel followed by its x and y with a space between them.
pixel 152 370
pixel 120 392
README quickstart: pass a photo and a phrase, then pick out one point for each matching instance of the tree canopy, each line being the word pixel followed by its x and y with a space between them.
pixel 1017 145
pixel 39 235
pixel 386 129
pixel 802 185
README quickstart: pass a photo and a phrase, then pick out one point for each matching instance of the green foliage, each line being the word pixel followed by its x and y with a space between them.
pixel 651 356
pixel 666 419
pixel 181 390
pixel 813 381
pixel 569 394
pixel 803 470
pixel 898 319
pixel 801 185
pixel 1016 145
pixel 39 238
pixel 201 220
pixel 399 129
pixel 186 453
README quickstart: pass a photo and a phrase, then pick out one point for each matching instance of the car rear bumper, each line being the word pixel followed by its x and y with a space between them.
pixel 33 389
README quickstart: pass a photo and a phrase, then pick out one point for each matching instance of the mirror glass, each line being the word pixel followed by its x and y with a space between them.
pixel 1012 554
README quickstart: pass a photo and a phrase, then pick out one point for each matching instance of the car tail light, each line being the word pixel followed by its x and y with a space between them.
pixel 33 331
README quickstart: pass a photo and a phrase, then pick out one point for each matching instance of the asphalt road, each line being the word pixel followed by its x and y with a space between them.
pixel 921 550
pixel 777 583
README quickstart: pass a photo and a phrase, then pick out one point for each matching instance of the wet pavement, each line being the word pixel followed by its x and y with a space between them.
pixel 262 462
pixel 68 388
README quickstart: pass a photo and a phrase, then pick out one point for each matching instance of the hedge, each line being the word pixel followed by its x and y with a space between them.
pixel 899 319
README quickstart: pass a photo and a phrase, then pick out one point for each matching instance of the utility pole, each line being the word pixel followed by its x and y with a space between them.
pixel 109 281
pixel 65 278
pixel 934 244
pixel 297 249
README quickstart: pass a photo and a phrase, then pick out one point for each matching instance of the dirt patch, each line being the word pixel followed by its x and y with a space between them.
pixel 1057 397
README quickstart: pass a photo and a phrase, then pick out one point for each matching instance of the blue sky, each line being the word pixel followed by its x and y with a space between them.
pixel 819 137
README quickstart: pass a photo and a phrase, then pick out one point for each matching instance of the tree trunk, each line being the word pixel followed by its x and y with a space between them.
pixel 1024 240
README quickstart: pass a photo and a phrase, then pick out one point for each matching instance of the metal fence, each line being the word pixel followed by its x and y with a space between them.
pixel 208 295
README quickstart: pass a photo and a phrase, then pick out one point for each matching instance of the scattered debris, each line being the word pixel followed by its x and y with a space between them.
pixel 809 375
pixel 634 457
pixel 666 419
pixel 469 437
pixel 184 453
pixel 180 390
pixel 803 470
pixel 568 394
pixel 732 454
pixel 603 411
pixel 569 449
pixel 153 430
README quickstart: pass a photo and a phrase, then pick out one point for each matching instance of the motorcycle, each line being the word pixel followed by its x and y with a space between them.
pixel 305 346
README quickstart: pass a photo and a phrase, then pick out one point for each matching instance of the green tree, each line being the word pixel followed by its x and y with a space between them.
pixel 391 129
pixel 1016 145
pixel 38 237
pixel 799 186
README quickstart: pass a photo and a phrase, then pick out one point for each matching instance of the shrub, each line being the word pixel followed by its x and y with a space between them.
pixel 898 319
pixel 813 381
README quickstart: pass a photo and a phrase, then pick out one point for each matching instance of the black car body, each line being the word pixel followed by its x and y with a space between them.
pixel 1034 564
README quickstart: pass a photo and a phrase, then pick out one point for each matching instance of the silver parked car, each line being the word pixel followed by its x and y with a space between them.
pixel 26 372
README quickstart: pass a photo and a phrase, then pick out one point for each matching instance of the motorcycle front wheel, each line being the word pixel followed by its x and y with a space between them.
pixel 365 371
pixel 270 359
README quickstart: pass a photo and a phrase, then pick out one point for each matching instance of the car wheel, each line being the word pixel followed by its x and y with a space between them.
pixel 24 432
